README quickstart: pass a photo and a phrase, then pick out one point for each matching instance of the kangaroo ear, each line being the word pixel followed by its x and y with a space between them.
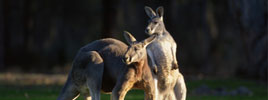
pixel 129 38
pixel 160 11
pixel 149 11
pixel 149 40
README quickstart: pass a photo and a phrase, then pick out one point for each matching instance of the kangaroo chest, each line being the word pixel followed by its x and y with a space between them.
pixel 162 52
pixel 163 57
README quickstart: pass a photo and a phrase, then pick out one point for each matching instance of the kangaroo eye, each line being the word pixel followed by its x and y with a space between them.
pixel 155 22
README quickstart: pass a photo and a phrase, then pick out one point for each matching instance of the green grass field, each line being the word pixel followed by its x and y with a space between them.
pixel 50 92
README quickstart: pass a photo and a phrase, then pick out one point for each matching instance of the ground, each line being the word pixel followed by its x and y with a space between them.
pixel 12 88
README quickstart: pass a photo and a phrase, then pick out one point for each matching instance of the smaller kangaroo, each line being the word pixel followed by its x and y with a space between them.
pixel 99 66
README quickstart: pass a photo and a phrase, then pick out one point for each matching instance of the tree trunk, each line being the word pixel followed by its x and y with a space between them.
pixel 6 32
pixel 2 36
pixel 109 17
pixel 251 18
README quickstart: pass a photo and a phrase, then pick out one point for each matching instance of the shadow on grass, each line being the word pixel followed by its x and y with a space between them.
pixel 17 91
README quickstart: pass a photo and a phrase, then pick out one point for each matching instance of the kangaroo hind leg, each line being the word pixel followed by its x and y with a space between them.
pixel 94 74
pixel 69 91
pixel 180 88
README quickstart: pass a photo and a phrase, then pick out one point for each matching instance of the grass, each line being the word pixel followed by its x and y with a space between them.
pixel 8 92
pixel 259 89
pixel 38 91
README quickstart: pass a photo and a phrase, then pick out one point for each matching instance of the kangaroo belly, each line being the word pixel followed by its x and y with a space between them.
pixel 113 66
pixel 108 83
pixel 163 57
pixel 110 77
pixel 162 53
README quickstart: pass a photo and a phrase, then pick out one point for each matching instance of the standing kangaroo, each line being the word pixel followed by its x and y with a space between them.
pixel 162 53
pixel 99 66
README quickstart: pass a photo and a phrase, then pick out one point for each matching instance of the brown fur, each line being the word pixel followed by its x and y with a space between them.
pixel 98 67
pixel 138 74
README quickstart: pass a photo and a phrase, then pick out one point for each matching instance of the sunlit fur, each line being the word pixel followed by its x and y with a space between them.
pixel 135 53
pixel 155 26
pixel 162 52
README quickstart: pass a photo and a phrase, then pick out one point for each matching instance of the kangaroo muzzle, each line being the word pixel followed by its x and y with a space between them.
pixel 148 30
pixel 127 60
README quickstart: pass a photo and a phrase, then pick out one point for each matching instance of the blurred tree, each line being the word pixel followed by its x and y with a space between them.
pixel 2 65
pixel 251 19
pixel 223 38
pixel 109 17
pixel 6 37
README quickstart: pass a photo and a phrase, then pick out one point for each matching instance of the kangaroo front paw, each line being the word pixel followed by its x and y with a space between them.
pixel 175 66
pixel 154 69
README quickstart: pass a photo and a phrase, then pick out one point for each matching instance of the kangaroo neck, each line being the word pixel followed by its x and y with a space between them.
pixel 164 33
pixel 140 67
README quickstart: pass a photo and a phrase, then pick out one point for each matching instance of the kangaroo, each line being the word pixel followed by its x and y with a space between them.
pixel 99 67
pixel 162 54
pixel 139 74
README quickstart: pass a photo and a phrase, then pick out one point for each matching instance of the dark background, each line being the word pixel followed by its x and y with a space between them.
pixel 219 38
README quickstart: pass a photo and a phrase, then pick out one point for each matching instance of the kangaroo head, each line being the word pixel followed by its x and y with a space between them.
pixel 155 23
pixel 136 50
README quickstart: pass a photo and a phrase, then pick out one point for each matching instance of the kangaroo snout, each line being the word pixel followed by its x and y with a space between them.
pixel 147 30
pixel 127 60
